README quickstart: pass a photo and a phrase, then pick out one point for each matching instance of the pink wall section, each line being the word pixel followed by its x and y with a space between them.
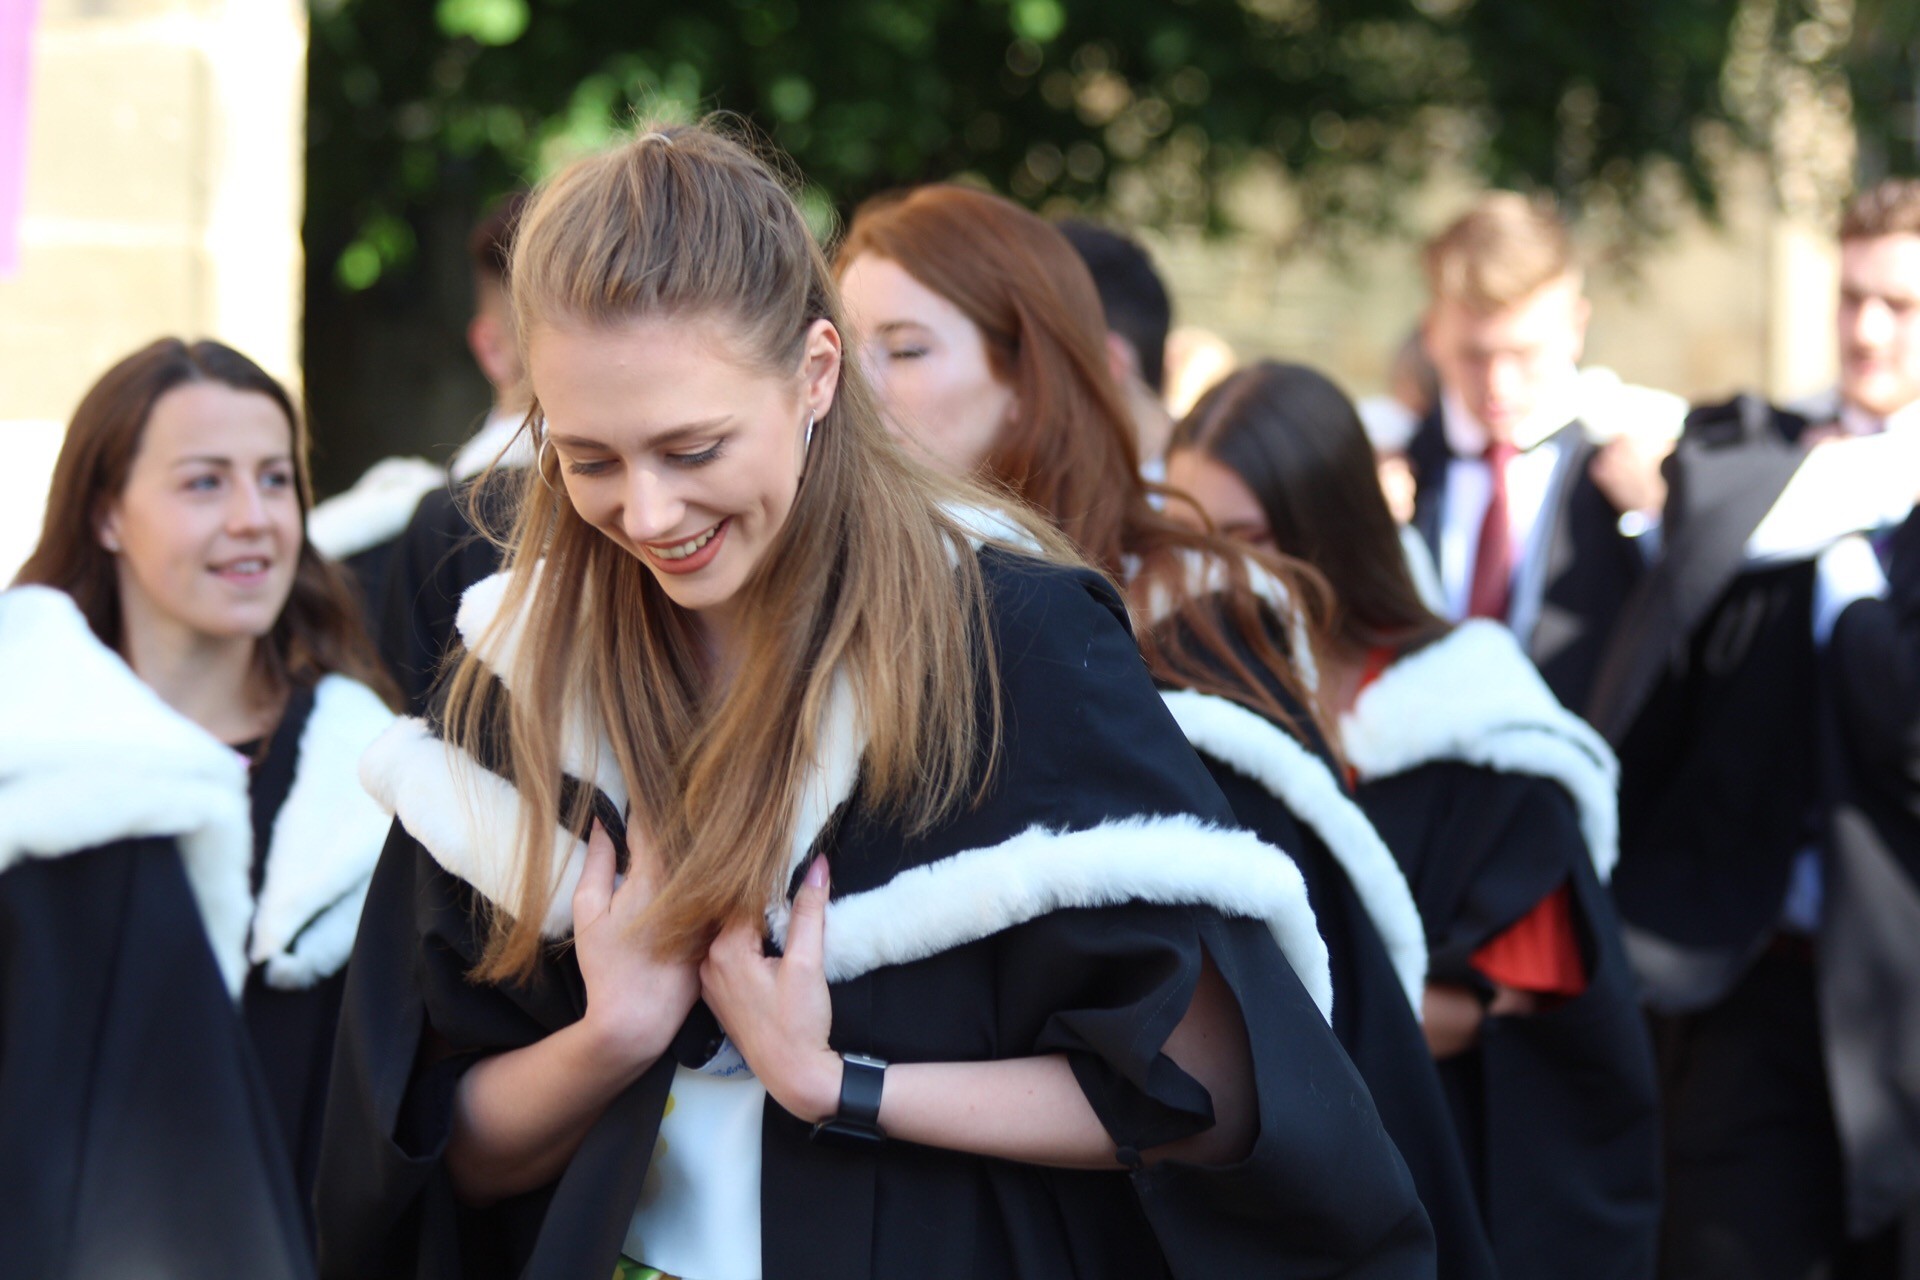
pixel 16 47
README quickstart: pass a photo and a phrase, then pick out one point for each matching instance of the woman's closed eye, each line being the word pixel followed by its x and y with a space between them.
pixel 906 353
pixel 599 467
pixel 697 459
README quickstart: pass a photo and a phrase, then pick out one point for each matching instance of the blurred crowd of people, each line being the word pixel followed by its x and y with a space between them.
pixel 839 778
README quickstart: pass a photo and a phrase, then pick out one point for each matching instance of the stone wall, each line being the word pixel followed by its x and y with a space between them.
pixel 163 196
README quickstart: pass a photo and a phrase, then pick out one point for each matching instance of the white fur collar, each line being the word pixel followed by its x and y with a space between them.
pixel 89 755
pixel 466 817
pixel 1206 575
pixel 1473 696
pixel 1254 746
pixel 375 510
pixel 326 839
pixel 1177 860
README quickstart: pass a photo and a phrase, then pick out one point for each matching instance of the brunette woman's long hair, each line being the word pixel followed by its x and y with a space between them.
pixel 1069 448
pixel 871 580
pixel 1294 439
pixel 318 632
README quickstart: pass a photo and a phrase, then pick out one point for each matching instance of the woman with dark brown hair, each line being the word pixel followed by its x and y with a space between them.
pixel 985 336
pixel 1499 805
pixel 175 522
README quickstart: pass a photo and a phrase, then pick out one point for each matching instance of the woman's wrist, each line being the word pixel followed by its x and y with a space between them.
pixel 620 1049
pixel 809 1086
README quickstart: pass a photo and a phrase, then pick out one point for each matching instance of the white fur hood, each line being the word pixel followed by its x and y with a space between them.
pixel 325 842
pixel 466 817
pixel 1473 697
pixel 1254 746
pixel 89 755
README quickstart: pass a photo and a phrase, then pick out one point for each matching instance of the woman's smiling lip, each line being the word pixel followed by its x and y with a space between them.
pixel 243 570
pixel 697 554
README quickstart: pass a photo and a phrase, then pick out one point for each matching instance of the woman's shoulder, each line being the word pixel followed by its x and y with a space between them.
pixel 1032 598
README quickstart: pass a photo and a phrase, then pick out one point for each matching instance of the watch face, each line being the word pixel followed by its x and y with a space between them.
pixel 862 1060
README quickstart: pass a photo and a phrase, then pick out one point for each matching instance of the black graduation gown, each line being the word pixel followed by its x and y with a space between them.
pixel 1292 796
pixel 430 565
pixel 1556 1112
pixel 1591 566
pixel 136 1134
pixel 1072 939
pixel 292 1029
pixel 1870 939
pixel 1741 746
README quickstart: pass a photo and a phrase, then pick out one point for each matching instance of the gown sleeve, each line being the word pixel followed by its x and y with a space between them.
pixel 413 1024
pixel 1322 1189
pixel 1091 743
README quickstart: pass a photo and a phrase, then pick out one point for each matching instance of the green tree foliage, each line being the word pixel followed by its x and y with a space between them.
pixel 1080 101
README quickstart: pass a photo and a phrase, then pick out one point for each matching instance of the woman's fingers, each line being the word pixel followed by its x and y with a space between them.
pixel 594 893
pixel 806 933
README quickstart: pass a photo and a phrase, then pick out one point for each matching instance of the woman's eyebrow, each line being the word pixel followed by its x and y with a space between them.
pixel 670 436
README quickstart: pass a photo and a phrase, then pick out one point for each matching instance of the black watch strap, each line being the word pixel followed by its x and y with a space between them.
pixel 857 1122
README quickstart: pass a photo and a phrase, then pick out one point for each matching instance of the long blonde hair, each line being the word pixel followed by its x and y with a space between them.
pixel 871 579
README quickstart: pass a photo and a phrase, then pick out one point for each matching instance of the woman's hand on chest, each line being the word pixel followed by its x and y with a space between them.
pixel 636 999
pixel 777 1012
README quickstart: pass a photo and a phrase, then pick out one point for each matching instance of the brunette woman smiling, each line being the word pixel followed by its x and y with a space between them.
pixel 176 523
pixel 935 954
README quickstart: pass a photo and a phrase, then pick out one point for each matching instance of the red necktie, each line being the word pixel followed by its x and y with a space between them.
pixel 1493 561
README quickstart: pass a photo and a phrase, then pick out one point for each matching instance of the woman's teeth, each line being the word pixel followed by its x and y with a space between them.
pixel 680 551
pixel 245 566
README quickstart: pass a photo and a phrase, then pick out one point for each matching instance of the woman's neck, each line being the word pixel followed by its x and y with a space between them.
pixel 1342 668
pixel 211 681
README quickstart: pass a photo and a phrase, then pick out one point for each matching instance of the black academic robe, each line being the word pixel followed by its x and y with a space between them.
pixel 1741 746
pixel 1067 912
pixel 1870 939
pixel 430 565
pixel 316 837
pixel 1556 1112
pixel 136 1133
pixel 1291 796
pixel 1591 567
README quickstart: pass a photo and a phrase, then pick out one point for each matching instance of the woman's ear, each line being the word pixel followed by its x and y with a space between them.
pixel 106 529
pixel 820 367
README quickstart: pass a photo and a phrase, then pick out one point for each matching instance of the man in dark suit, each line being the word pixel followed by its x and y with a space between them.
pixel 1506 495
pixel 1763 691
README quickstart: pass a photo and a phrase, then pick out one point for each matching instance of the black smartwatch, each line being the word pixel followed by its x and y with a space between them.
pixel 857 1122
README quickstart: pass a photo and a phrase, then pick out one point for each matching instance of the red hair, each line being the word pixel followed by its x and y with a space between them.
pixel 1069 448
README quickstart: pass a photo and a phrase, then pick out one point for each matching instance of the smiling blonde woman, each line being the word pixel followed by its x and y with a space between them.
pixel 804 878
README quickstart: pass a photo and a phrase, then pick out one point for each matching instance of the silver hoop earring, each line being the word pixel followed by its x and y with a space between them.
pixel 806 446
pixel 540 463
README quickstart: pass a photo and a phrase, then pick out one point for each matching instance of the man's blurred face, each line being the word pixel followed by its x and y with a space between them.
pixel 1880 323
pixel 1501 363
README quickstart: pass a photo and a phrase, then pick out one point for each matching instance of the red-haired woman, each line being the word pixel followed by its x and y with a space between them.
pixel 985 336
pixel 175 521
pixel 1499 804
